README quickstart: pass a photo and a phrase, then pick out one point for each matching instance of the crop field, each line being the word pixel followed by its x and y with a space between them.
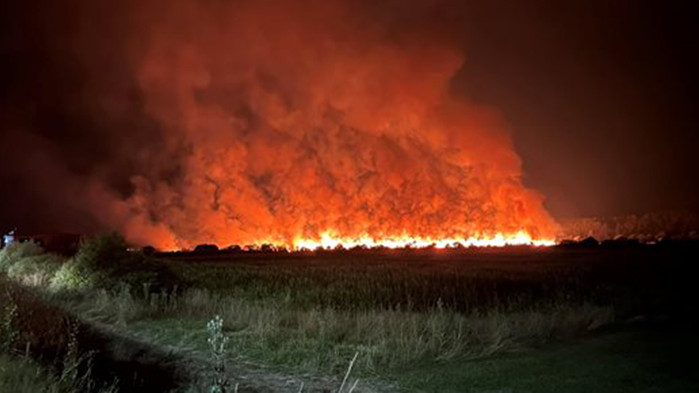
pixel 616 317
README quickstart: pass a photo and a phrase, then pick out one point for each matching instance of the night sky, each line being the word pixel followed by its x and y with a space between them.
pixel 600 98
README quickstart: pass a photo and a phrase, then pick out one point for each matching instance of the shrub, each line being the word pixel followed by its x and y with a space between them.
pixel 15 252
pixel 102 252
pixel 72 276
pixel 104 261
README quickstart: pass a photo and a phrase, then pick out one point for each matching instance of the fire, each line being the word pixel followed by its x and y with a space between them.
pixel 318 124
pixel 330 241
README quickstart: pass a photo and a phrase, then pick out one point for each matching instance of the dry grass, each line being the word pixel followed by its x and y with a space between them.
pixel 39 328
pixel 322 339
pixel 32 329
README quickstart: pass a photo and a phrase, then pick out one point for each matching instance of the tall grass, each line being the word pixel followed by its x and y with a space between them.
pixel 321 339
pixel 27 262
pixel 29 329
pixel 17 251
pixel 20 374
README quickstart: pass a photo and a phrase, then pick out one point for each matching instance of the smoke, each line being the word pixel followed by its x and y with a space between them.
pixel 297 118
pixel 270 121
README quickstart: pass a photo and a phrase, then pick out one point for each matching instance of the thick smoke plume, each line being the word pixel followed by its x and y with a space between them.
pixel 250 122
pixel 294 119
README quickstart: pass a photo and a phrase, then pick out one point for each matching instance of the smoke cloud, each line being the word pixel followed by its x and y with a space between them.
pixel 249 122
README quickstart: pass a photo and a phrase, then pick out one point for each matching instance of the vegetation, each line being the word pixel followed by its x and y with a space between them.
pixel 403 314
pixel 105 262
pixel 23 375
pixel 23 335
pixel 321 340
pixel 28 264
pixel 217 344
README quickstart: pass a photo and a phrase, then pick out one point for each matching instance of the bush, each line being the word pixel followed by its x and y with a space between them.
pixel 72 276
pixel 104 261
pixel 15 252
pixel 89 267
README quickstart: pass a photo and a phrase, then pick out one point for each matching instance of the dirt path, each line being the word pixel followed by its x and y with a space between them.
pixel 193 371
pixel 45 332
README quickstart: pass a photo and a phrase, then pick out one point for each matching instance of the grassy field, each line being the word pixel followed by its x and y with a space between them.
pixel 512 320
pixel 640 360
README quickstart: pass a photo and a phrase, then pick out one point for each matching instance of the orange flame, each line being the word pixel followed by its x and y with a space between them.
pixel 330 241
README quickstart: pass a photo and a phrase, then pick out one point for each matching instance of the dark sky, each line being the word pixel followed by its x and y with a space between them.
pixel 600 98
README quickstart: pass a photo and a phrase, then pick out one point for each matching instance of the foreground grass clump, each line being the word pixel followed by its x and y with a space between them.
pixel 31 331
pixel 36 271
pixel 23 376
pixel 16 252
pixel 27 263
pixel 19 374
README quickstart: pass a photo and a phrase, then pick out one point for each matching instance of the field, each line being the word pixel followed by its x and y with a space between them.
pixel 618 317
